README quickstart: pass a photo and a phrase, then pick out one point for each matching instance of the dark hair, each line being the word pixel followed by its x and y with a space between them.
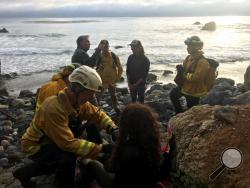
pixel 141 52
pixel 80 38
pixel 139 125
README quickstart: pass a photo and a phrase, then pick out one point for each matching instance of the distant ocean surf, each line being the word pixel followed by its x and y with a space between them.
pixel 60 22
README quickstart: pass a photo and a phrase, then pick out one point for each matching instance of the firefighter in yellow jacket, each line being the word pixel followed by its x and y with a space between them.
pixel 194 70
pixel 49 141
pixel 110 70
pixel 58 82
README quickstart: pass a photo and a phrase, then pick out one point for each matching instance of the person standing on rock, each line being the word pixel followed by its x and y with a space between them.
pixel 50 143
pixel 110 70
pixel 193 71
pixel 80 55
pixel 137 71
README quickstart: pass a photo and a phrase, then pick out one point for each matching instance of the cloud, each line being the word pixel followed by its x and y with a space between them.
pixel 77 8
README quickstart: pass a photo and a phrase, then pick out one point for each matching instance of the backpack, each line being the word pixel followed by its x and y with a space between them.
pixel 212 73
pixel 98 63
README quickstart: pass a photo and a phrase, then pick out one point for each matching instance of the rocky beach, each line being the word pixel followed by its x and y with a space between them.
pixel 201 134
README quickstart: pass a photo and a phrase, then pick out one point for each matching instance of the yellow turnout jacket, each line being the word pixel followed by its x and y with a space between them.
pixel 50 125
pixel 195 69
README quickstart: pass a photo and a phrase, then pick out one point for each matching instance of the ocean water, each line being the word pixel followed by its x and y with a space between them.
pixel 36 48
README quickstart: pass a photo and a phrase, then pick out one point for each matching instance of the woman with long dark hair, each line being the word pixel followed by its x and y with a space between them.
pixel 137 71
pixel 135 160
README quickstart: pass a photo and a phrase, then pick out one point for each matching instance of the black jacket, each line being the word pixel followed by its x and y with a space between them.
pixel 137 67
pixel 80 56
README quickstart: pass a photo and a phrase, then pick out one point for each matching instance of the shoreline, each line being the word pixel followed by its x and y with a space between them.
pixel 35 80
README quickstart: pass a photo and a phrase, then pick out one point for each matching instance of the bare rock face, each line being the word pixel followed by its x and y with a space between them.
pixel 203 133
pixel 210 26
pixel 4 30
pixel 247 78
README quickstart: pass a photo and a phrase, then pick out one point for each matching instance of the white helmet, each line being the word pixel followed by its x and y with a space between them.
pixel 86 77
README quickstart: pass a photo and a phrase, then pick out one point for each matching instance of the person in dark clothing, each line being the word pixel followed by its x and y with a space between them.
pixel 136 157
pixel 80 55
pixel 137 71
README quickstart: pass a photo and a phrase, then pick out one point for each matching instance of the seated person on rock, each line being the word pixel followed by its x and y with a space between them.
pixel 49 141
pixel 136 159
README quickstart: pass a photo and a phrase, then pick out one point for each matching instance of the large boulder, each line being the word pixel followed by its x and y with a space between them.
pixel 151 78
pixel 210 26
pixel 4 30
pixel 241 99
pixel 202 134
pixel 247 78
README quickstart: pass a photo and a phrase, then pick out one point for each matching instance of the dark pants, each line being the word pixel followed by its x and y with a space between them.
pixel 138 93
pixel 176 94
pixel 49 159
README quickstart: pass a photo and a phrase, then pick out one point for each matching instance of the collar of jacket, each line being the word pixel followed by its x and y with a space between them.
pixel 64 101
pixel 78 47
pixel 197 55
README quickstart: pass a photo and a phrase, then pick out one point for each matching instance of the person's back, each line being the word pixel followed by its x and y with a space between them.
pixel 133 169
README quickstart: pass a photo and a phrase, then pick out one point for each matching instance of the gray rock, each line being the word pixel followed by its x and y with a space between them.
pixel 197 23
pixel 4 162
pixel 4 92
pixel 216 97
pixel 1 150
pixel 163 107
pixel 226 113
pixel 151 78
pixel 247 78
pixel 117 47
pixel 167 72
pixel 227 80
pixel 124 90
pixel 14 156
pixel 210 26
pixel 241 99
pixel 26 93
pixel 4 30
pixel 5 144
pixel 11 148
pixel 17 103
pixel 6 123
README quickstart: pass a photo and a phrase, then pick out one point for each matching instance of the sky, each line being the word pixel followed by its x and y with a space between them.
pixel 84 8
